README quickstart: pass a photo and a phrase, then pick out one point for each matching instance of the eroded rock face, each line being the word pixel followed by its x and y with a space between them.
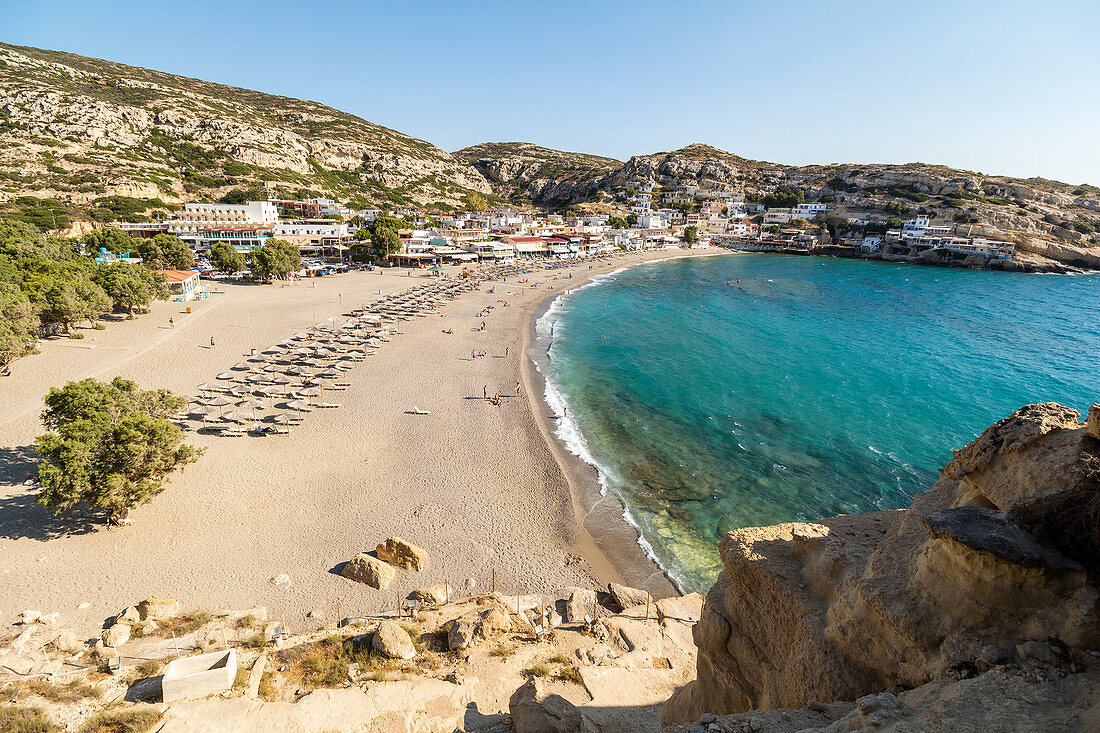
pixel 853 605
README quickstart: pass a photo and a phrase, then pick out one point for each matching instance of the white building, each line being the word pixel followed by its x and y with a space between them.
pixel 195 217
pixel 808 211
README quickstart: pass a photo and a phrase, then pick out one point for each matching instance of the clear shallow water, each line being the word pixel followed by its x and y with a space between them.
pixel 811 387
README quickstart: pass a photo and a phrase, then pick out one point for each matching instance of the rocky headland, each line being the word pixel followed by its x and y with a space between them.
pixel 979 601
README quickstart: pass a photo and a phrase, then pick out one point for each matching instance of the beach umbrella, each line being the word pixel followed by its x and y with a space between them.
pixel 310 392
pixel 282 417
pixel 297 370
pixel 238 391
pixel 235 416
pixel 273 368
pixel 297 404
pixel 257 378
pixel 330 374
pixel 225 375
pixel 203 410
pixel 281 379
pixel 220 402
pixel 252 404
pixel 210 387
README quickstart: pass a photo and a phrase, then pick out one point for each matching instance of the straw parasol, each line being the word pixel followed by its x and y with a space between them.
pixel 297 404
pixel 235 416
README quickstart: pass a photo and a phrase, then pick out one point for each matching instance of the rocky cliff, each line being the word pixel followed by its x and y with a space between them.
pixel 80 130
pixel 993 571
pixel 524 172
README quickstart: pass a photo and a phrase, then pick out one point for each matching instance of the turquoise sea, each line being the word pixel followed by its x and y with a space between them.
pixel 743 390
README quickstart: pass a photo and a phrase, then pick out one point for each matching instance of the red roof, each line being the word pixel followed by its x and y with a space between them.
pixel 177 276
pixel 517 240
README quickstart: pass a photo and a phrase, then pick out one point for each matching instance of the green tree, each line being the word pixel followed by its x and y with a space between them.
pixel 226 258
pixel 691 234
pixel 18 323
pixel 110 445
pixel 617 222
pixel 893 223
pixel 175 254
pixel 385 241
pixel 474 201
pixel 631 219
pixel 131 286
pixel 784 197
pixel 66 300
pixel 277 258
pixel 112 239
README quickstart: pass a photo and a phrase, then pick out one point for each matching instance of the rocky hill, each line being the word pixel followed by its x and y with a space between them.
pixel 1047 219
pixel 523 172
pixel 83 132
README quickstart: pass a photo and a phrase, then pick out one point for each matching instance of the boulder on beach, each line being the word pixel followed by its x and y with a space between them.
pixel 393 641
pixel 158 609
pixel 364 568
pixel 402 554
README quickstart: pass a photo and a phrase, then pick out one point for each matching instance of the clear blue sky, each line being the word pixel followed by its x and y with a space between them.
pixel 999 87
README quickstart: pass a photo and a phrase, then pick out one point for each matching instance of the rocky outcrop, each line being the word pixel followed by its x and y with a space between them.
pixel 1000 554
pixel 536 710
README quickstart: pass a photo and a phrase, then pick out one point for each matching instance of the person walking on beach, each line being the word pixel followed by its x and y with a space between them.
pixel 171 323
pixel 485 391
pixel 211 342
pixel 517 389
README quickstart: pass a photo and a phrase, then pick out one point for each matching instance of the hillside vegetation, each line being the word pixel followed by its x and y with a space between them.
pixel 93 139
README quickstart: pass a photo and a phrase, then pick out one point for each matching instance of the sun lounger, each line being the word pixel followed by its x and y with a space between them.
pixel 327 404
pixel 232 432
pixel 417 411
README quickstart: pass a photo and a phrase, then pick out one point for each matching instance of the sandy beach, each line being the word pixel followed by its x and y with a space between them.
pixel 485 489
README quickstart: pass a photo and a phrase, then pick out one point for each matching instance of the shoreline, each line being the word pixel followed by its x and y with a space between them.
pixel 488 490
pixel 600 514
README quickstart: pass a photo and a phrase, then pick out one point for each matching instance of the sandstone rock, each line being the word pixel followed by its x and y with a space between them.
pixel 462 632
pixel 1093 423
pixel 996 534
pixel 130 615
pixel 492 623
pixel 581 603
pixel 534 710
pixel 684 608
pixel 393 641
pixel 627 597
pixel 364 568
pixel 116 635
pixel 158 609
pixel 434 594
pixel 402 554
pixel 30 617
pixel 104 651
pixel 281 581
pixel 68 642
pixel 148 627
